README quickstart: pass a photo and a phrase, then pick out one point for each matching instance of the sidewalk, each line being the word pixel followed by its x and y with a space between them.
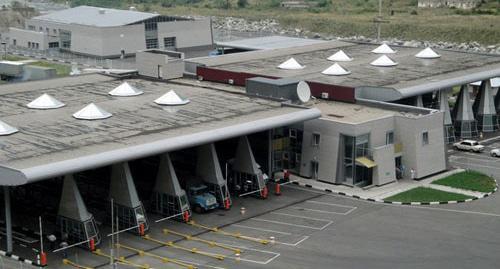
pixel 379 193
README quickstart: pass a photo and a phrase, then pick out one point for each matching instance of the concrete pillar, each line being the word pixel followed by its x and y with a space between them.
pixel 497 101
pixel 167 188
pixel 245 162
pixel 126 202
pixel 484 108
pixel 449 130
pixel 419 102
pixel 464 122
pixel 72 209
pixel 8 218
pixel 208 169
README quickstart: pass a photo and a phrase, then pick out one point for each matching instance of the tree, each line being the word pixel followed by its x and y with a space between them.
pixel 242 3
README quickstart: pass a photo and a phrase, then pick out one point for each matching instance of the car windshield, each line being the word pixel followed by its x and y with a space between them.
pixel 475 143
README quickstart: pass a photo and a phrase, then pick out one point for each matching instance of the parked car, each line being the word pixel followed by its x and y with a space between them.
pixel 469 145
pixel 201 199
pixel 495 152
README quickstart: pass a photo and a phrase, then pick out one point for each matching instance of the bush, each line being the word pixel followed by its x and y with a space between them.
pixel 242 3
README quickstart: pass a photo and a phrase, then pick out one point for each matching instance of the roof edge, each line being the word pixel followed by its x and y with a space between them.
pixel 12 177
pixel 45 171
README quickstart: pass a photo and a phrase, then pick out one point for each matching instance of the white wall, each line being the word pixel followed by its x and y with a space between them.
pixel 188 33
pixel 22 38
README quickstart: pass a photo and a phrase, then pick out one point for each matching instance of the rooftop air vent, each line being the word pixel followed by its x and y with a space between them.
pixel 383 49
pixel 92 112
pixel 340 56
pixel 45 101
pixel 336 70
pixel 171 98
pixel 291 64
pixel 6 129
pixel 384 61
pixel 125 89
pixel 427 53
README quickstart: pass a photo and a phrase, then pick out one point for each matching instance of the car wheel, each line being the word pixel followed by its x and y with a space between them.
pixel 493 154
pixel 198 209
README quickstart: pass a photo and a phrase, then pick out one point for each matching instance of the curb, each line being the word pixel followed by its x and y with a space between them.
pixel 398 203
pixel 20 259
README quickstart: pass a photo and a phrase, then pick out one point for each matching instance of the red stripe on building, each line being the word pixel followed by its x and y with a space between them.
pixel 337 93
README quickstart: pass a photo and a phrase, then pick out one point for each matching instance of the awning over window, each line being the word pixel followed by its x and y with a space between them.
pixel 365 162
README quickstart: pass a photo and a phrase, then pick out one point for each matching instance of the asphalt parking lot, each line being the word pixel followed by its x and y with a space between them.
pixel 312 229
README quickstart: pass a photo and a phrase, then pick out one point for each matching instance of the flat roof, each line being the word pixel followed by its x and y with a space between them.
pixel 268 42
pixel 365 112
pixel 412 76
pixel 93 16
pixel 52 143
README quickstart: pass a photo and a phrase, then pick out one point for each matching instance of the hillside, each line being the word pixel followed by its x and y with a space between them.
pixel 344 17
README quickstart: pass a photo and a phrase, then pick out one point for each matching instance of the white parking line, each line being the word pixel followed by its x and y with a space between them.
pixel 304 237
pixel 275 255
pixel 318 211
pixel 332 204
pixel 290 224
pixel 297 216
pixel 260 229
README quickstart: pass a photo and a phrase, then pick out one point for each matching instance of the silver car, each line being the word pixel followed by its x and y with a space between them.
pixel 495 152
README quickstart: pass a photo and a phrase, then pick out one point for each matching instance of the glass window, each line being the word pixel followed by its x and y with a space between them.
pixel 315 139
pixel 170 42
pixel 152 43
pixel 389 138
pixel 292 133
pixel 425 138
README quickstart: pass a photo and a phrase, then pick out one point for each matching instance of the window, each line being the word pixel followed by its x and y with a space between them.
pixel 40 28
pixel 389 138
pixel 37 45
pixel 292 133
pixel 47 29
pixel 31 27
pixel 55 31
pixel 152 43
pixel 170 42
pixel 14 42
pixel 29 44
pixel 425 138
pixel 53 44
pixel 315 139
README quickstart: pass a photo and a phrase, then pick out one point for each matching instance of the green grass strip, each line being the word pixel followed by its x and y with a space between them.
pixel 423 194
pixel 468 180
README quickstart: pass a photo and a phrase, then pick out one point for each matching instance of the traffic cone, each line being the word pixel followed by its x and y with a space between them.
pixel 185 216
pixel 92 244
pixel 227 205
pixel 141 229
pixel 277 190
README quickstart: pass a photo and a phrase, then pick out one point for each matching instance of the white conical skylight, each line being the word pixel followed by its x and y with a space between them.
pixel 45 101
pixel 383 49
pixel 383 61
pixel 92 112
pixel 171 98
pixel 336 70
pixel 6 129
pixel 427 53
pixel 291 64
pixel 340 56
pixel 125 89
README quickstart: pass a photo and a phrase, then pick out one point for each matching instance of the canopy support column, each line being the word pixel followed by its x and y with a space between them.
pixel 8 218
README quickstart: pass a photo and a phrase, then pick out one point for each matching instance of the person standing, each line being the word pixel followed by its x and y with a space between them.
pixel 412 174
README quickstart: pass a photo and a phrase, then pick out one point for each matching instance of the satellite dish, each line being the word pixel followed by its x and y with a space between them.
pixel 303 92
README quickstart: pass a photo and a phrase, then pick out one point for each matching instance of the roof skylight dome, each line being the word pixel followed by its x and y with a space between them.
pixel 45 101
pixel 340 56
pixel 336 70
pixel 383 49
pixel 427 53
pixel 171 98
pixel 384 61
pixel 6 129
pixel 291 64
pixel 125 89
pixel 92 112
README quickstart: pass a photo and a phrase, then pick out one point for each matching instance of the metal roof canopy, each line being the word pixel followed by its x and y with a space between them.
pixel 268 42
pixel 52 143
pixel 96 16
pixel 412 76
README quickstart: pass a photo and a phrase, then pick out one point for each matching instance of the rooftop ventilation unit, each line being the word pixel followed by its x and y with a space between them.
pixel 102 11
pixel 6 129
pixel 495 82
pixel 340 56
pixel 92 112
pixel 291 64
pixel 383 49
pixel 125 89
pixel 427 53
pixel 45 101
pixel 384 61
pixel 283 89
pixel 171 98
pixel 336 70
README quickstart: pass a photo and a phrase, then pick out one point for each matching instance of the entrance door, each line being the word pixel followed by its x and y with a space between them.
pixel 314 169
